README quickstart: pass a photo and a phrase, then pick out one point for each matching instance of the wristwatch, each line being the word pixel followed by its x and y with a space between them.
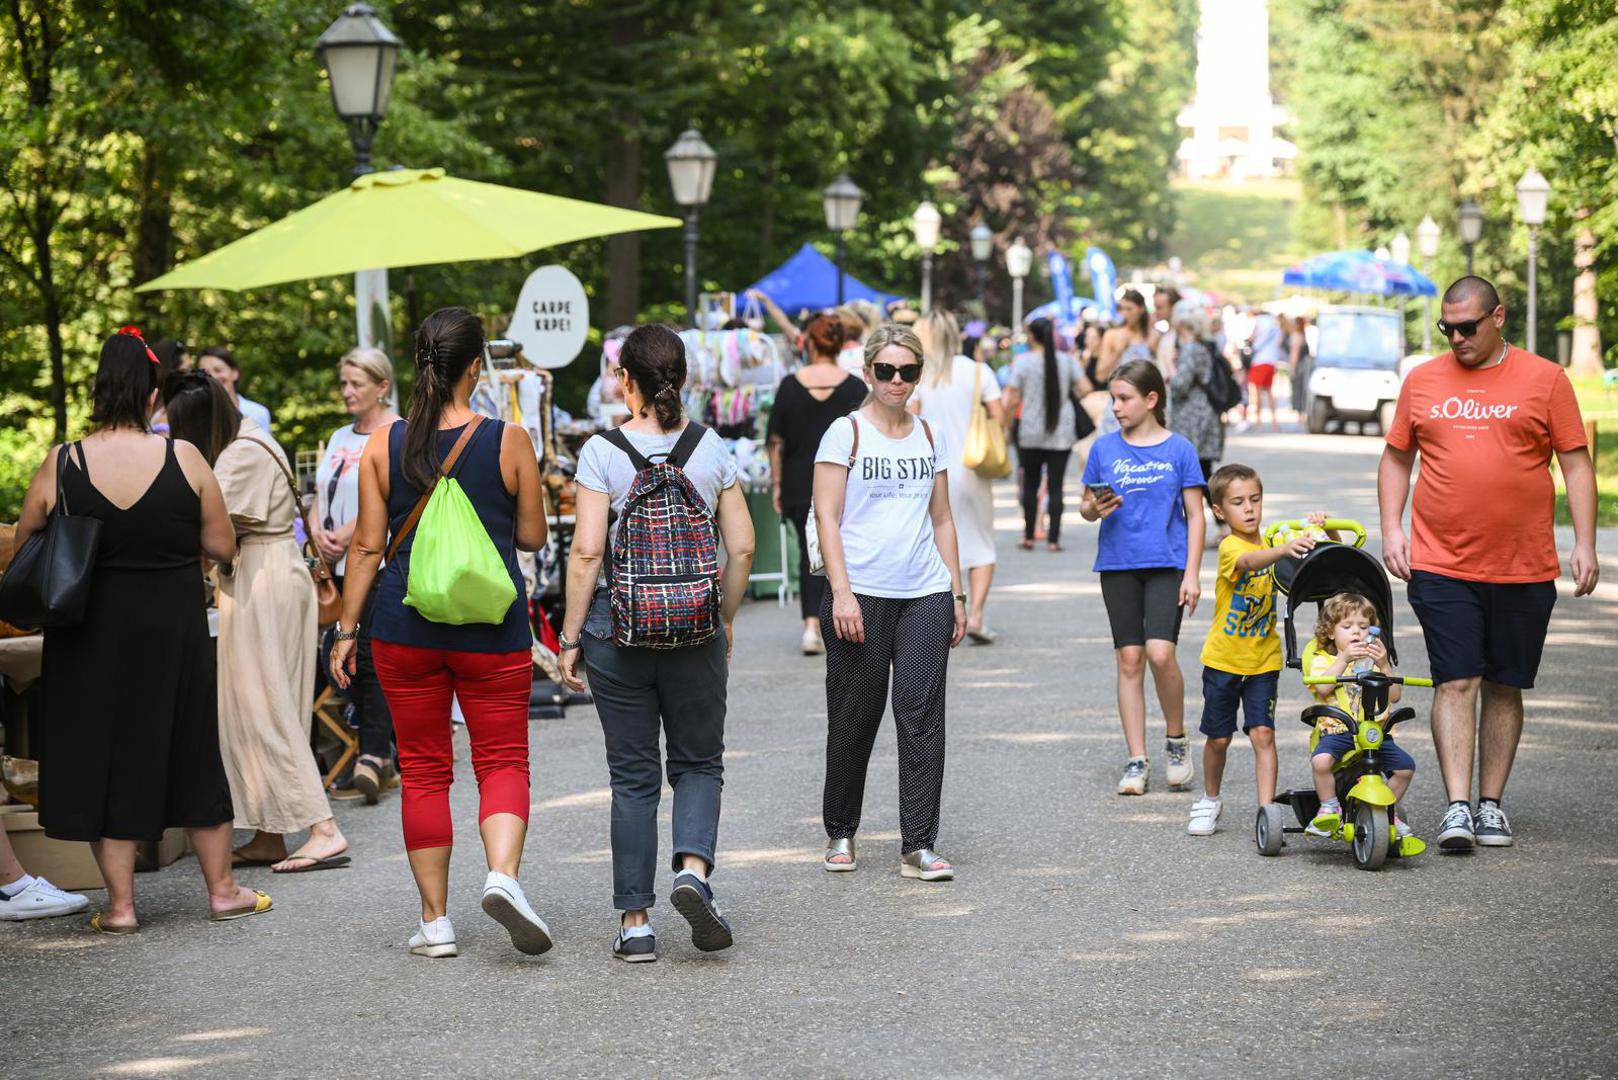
pixel 339 634
pixel 960 598
pixel 561 639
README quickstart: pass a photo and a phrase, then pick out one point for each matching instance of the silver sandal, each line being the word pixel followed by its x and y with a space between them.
pixel 926 864
pixel 844 846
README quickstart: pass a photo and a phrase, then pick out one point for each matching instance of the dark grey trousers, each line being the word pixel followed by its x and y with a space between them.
pixel 640 694
pixel 909 638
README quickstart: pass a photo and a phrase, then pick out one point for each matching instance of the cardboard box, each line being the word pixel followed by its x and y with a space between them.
pixel 67 863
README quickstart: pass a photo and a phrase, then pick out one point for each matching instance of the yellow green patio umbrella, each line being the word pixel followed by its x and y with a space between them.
pixel 406 217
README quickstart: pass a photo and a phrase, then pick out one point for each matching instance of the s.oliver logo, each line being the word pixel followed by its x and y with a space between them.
pixel 1456 408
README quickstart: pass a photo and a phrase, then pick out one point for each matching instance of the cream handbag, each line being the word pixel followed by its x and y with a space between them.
pixel 985 451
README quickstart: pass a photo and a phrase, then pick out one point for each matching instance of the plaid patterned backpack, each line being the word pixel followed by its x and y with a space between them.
pixel 664 581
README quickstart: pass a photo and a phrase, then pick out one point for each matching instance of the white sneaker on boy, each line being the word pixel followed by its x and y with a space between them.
pixel 1204 816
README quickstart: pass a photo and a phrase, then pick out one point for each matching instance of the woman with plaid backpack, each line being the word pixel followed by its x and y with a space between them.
pixel 650 610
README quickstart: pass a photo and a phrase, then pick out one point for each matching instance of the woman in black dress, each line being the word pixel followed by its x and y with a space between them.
pixel 131 739
pixel 806 403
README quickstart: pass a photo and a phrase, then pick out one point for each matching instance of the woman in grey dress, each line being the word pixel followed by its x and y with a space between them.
pixel 1193 414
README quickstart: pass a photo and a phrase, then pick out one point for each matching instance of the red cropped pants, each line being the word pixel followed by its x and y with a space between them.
pixel 493 689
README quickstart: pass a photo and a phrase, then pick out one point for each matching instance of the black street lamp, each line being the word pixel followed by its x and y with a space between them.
pixel 841 201
pixel 691 163
pixel 359 54
pixel 982 248
pixel 1469 226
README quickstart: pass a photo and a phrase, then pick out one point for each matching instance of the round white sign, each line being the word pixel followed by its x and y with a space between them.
pixel 552 317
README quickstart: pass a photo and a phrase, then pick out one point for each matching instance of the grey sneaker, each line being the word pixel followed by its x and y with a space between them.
pixel 1180 772
pixel 1137 775
pixel 1455 831
pixel 1490 826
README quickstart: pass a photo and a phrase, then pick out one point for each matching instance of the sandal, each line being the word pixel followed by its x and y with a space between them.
pixel 843 848
pixel 1055 547
pixel 261 903
pixel 1026 545
pixel 107 928
pixel 926 864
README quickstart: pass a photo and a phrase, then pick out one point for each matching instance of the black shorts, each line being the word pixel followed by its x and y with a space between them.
pixel 1475 628
pixel 1142 605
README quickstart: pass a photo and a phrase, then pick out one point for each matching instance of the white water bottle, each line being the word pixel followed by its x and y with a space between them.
pixel 1364 664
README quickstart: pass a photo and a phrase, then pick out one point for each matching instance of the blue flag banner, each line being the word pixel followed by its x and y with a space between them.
pixel 1105 278
pixel 1061 280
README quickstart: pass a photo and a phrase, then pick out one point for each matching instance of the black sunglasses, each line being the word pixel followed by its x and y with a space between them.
pixel 1467 328
pixel 885 372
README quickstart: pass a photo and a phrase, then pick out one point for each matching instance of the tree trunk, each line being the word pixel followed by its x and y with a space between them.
pixel 623 189
pixel 1586 308
pixel 154 233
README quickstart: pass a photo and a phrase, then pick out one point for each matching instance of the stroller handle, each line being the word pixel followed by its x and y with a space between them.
pixel 1330 525
pixel 1327 680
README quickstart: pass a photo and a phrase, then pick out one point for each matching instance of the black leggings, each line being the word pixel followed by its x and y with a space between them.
pixel 811 588
pixel 1053 463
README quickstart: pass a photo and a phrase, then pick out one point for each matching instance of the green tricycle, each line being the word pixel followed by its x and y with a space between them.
pixel 1332 567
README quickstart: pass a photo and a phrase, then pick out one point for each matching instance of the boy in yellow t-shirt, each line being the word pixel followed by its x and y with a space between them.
pixel 1241 660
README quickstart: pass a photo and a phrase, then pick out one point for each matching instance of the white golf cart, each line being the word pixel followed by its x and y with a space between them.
pixel 1353 375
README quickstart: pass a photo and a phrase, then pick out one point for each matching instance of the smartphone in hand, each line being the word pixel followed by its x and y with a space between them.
pixel 1100 491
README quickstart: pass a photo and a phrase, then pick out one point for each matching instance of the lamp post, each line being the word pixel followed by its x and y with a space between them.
pixel 1533 192
pixel 1469 224
pixel 691 163
pixel 841 201
pixel 1427 243
pixel 1400 250
pixel 359 55
pixel 925 222
pixel 1019 260
pixel 982 248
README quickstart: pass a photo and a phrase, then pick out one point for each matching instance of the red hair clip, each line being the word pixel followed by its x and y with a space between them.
pixel 134 332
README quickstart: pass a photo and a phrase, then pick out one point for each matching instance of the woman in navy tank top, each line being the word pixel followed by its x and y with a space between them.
pixel 424 666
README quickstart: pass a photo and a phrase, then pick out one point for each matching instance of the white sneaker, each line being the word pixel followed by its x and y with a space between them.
pixel 1137 777
pixel 1204 816
pixel 41 900
pixel 434 939
pixel 1180 771
pixel 504 902
pixel 811 644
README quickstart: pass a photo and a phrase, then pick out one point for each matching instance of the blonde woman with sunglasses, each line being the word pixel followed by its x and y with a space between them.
pixel 896 607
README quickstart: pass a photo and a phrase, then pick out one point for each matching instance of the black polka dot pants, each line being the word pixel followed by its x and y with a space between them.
pixel 911 639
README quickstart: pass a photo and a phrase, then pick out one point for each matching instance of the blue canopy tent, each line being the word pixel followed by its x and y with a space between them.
pixel 1359 271
pixel 808 280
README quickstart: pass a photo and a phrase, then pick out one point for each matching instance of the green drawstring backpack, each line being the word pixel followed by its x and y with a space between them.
pixel 456 575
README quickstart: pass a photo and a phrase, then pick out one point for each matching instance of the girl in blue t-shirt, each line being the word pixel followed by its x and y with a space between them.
pixel 1144 484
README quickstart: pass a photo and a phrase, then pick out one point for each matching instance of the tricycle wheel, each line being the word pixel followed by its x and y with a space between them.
pixel 1267 832
pixel 1373 829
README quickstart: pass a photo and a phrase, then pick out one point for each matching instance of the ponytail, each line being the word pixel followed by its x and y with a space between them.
pixel 447 343
pixel 654 357
pixel 1044 336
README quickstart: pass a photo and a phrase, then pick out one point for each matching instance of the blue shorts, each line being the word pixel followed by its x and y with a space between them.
pixel 1223 692
pixel 1475 628
pixel 1394 758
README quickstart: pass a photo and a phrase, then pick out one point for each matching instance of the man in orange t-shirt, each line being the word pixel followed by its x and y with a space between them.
pixel 1482 565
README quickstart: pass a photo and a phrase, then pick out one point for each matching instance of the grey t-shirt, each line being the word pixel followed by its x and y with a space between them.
pixel 1028 376
pixel 605 468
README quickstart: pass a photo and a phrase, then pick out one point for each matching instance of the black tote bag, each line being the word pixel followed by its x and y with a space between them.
pixel 48 583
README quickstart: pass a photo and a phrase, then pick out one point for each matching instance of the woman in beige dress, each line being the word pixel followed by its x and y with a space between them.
pixel 267 638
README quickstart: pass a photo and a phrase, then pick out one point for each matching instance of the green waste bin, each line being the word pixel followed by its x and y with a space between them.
pixel 774 553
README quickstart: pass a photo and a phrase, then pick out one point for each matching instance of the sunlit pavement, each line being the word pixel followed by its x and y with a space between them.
pixel 1087 935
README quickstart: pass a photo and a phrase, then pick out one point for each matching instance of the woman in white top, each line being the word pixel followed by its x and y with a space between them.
pixel 945 399
pixel 896 606
pixel 365 380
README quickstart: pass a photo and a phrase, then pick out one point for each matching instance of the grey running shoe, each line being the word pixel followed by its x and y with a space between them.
pixel 1491 827
pixel 635 950
pixel 1455 831
pixel 1180 771
pixel 1137 775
